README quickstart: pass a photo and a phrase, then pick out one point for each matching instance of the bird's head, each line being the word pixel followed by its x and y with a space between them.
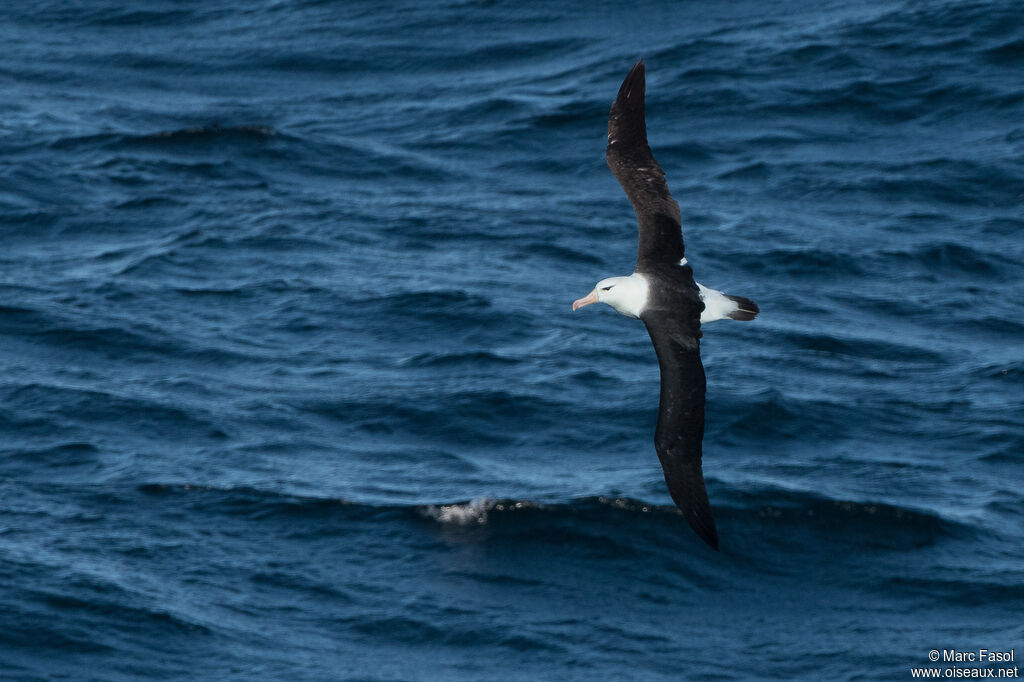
pixel 626 294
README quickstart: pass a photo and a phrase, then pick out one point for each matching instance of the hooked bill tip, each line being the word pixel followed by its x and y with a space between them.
pixel 586 300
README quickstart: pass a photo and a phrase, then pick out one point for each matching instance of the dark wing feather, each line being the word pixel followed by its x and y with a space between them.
pixel 680 431
pixel 630 159
pixel 673 314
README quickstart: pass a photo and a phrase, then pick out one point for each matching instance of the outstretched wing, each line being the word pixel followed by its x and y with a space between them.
pixel 673 314
pixel 680 431
pixel 631 161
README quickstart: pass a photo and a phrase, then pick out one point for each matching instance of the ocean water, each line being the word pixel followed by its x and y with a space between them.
pixel 290 387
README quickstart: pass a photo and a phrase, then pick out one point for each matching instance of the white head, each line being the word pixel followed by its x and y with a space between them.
pixel 628 295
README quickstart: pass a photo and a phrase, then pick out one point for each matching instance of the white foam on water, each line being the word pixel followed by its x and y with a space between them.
pixel 472 512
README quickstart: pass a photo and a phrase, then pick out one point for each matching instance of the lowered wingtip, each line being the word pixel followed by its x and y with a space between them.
pixel 703 524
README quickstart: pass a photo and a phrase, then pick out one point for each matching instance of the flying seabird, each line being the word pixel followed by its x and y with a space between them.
pixel 662 294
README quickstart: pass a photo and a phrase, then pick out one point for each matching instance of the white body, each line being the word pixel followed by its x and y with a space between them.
pixel 628 295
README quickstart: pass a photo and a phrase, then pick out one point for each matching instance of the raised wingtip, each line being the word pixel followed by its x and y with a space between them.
pixel 637 73
pixel 626 119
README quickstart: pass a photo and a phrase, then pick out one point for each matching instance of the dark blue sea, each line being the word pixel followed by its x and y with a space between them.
pixel 290 388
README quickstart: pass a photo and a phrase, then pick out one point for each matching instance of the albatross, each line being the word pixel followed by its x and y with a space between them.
pixel 663 295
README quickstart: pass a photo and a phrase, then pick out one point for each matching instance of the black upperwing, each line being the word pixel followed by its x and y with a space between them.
pixel 673 311
pixel 630 159
pixel 673 322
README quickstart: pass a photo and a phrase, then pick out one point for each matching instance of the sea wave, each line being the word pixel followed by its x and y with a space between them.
pixel 871 523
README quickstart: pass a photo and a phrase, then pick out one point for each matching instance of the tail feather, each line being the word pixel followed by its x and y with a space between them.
pixel 718 306
pixel 745 311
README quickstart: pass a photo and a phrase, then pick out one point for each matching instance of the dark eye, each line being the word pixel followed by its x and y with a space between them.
pixel 606 288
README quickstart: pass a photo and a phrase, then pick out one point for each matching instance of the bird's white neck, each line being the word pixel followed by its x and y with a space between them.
pixel 628 295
